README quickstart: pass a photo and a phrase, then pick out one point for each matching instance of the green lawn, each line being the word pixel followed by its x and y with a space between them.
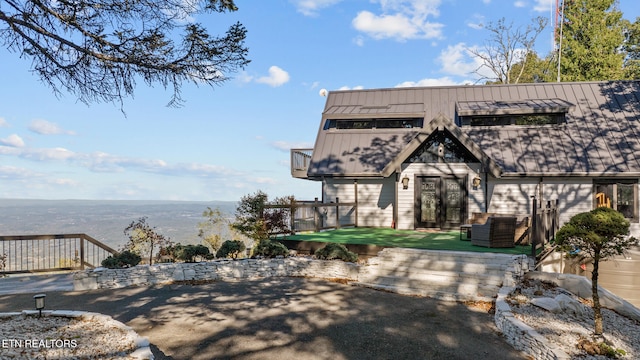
pixel 444 240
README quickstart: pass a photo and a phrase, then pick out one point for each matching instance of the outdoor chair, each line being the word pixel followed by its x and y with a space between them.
pixel 497 232
pixel 476 218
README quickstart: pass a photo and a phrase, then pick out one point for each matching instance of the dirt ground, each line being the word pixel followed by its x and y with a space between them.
pixel 289 318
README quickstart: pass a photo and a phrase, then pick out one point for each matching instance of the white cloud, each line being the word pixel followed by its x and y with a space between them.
pixel 401 20
pixel 311 7
pixel 286 146
pixel 102 162
pixel 443 81
pixel 263 180
pixel 544 5
pixel 45 127
pixel 12 140
pixel 520 4
pixel 457 60
pixel 48 154
pixel 3 122
pixel 476 22
pixel 277 77
pixel 12 172
pixel 359 87
pixel 244 77
pixel 64 182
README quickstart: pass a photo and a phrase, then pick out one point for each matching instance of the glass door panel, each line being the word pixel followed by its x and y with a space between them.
pixel 454 202
pixel 429 199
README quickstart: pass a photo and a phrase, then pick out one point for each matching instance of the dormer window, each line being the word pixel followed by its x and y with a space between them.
pixel 358 124
pixel 520 113
pixel 522 120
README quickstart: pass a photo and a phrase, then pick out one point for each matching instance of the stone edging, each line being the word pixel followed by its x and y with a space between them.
pixel 524 338
pixel 520 335
pixel 143 349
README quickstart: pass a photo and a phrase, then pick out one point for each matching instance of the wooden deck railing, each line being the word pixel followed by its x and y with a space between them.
pixel 316 216
pixel 544 225
pixel 300 160
pixel 41 253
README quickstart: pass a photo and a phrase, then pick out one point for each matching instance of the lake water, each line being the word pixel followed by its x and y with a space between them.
pixel 105 220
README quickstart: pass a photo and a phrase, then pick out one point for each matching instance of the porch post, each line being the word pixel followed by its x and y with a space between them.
pixel 316 222
pixel 394 221
pixel 337 213
pixel 82 255
pixel 534 226
pixel 355 186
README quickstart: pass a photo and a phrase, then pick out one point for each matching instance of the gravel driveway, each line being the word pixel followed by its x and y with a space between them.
pixel 288 318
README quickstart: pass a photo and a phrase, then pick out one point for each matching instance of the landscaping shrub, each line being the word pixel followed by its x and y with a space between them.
pixel 333 251
pixel 230 248
pixel 270 249
pixel 188 253
pixel 121 260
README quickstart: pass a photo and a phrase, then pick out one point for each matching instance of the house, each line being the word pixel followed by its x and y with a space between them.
pixel 428 157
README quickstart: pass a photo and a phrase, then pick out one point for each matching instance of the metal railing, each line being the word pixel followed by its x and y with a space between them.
pixel 42 253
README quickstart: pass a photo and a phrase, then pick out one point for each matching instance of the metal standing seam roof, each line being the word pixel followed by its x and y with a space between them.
pixel 601 135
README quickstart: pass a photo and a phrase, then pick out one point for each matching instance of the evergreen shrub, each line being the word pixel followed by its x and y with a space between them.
pixel 270 249
pixel 333 251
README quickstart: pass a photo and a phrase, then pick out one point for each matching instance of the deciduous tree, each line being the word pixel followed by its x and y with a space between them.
pixel 98 49
pixel 143 239
pixel 216 228
pixel 599 234
pixel 506 47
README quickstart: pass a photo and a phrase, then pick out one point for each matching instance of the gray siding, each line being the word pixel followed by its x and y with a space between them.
pixel 511 196
pixel 574 195
pixel 375 198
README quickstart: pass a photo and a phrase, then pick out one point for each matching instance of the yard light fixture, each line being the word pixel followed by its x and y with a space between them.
pixel 39 302
pixel 405 182
pixel 476 182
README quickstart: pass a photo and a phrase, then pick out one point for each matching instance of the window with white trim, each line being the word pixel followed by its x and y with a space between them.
pixel 618 194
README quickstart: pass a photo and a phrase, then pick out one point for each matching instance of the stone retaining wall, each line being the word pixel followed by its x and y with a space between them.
pixel 102 278
pixel 522 336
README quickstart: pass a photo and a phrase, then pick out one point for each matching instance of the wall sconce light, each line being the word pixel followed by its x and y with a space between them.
pixel 39 302
pixel 405 182
pixel 476 182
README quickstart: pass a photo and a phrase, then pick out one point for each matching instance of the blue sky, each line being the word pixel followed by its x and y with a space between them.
pixel 233 140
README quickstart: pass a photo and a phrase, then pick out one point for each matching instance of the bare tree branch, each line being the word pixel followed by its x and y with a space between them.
pixel 505 48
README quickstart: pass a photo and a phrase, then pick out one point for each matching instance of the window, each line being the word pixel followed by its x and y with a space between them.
pixel 521 119
pixel 621 195
pixel 531 112
pixel 356 124
pixel 441 147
